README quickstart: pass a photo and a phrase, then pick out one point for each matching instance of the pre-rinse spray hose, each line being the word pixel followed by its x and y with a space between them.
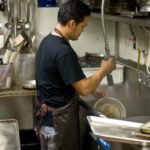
pixel 107 50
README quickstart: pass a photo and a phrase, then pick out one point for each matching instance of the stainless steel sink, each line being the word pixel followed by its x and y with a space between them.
pixel 136 102
pixel 121 146
pixel 141 119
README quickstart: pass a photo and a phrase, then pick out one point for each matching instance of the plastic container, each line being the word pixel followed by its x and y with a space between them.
pixel 24 68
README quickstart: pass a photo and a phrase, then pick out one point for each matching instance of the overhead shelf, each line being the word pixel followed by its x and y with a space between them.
pixel 136 21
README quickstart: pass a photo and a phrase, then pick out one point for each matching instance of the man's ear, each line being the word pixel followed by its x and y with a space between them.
pixel 72 23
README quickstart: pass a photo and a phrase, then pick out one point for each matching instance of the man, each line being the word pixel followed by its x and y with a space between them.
pixel 60 80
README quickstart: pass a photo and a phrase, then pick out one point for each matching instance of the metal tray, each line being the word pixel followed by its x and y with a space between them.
pixel 117 130
pixel 9 135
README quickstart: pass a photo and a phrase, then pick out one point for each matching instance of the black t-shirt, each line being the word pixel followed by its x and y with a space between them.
pixel 57 68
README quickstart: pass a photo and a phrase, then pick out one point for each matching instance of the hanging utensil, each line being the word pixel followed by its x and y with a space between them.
pixel 8 25
pixel 107 50
pixel 14 17
pixel 20 20
pixel 27 24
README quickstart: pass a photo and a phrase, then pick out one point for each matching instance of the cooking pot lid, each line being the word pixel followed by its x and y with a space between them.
pixel 110 107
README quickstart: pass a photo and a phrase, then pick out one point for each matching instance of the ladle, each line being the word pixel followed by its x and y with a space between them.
pixel 20 20
pixel 27 24
pixel 8 25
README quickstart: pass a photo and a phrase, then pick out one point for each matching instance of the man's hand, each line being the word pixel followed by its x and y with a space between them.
pixel 99 93
pixel 108 65
pixel 44 109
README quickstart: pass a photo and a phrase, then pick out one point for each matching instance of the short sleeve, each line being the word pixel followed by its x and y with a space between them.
pixel 70 68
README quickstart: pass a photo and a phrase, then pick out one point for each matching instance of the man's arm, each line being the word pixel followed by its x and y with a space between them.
pixel 89 85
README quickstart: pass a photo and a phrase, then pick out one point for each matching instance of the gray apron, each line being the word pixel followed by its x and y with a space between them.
pixel 66 125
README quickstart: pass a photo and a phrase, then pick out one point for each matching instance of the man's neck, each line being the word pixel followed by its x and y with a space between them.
pixel 61 31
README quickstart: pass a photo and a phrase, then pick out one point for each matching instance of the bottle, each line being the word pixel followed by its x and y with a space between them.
pixel 1 36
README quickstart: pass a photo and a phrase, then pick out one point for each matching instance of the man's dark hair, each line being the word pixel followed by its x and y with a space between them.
pixel 73 9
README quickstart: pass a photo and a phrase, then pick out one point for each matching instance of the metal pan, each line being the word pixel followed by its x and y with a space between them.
pixel 116 130
pixel 110 107
pixel 9 135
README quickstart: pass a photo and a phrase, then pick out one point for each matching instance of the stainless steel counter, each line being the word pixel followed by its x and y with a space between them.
pixel 117 130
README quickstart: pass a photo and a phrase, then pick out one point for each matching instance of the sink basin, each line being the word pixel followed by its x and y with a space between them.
pixel 141 119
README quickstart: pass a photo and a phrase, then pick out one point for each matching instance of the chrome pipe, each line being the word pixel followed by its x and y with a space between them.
pixel 107 50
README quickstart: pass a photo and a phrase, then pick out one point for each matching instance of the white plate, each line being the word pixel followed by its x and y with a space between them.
pixel 30 84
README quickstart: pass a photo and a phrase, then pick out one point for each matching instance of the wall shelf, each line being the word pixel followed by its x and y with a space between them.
pixel 17 91
pixel 136 21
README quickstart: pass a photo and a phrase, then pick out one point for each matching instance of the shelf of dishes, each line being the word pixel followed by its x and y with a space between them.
pixel 142 21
